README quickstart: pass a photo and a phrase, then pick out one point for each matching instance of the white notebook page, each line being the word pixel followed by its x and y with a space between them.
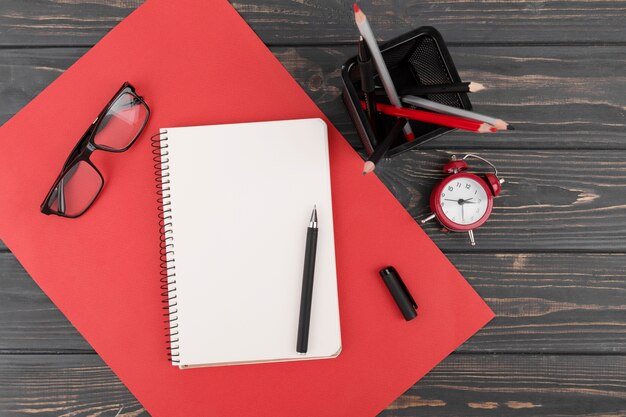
pixel 241 199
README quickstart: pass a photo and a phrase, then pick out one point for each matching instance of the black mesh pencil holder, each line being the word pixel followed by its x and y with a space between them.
pixel 414 59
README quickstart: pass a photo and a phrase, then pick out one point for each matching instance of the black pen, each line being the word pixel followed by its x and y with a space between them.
pixel 384 146
pixel 307 285
pixel 368 86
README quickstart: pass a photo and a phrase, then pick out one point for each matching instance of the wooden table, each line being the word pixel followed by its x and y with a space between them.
pixel 550 262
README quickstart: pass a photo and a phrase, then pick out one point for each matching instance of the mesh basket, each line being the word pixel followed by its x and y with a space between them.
pixel 417 58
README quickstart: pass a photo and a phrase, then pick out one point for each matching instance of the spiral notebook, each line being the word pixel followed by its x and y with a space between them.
pixel 236 202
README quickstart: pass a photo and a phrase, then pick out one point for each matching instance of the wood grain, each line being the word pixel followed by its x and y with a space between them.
pixel 290 22
pixel 583 107
pixel 282 22
pixel 24 73
pixel 553 303
pixel 29 321
pixel 514 385
pixel 548 302
pixel 63 386
pixel 551 200
pixel 462 385
pixel 58 22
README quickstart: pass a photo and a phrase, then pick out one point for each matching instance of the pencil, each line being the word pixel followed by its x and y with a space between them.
pixel 436 118
pixel 422 90
pixel 454 111
pixel 383 146
pixel 379 62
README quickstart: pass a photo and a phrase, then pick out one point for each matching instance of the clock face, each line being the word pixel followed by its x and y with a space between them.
pixel 463 200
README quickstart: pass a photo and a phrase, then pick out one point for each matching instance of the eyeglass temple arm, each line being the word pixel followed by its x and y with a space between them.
pixel 61 197
pixel 60 190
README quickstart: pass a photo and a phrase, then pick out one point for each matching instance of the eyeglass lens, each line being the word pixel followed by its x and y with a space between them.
pixel 76 190
pixel 122 122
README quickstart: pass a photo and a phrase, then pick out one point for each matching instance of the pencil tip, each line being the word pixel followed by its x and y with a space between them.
pixel 356 8
pixel 476 87
pixel 368 167
pixel 510 127
pixel 500 124
pixel 486 127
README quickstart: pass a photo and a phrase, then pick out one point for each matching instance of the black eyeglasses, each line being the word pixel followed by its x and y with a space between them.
pixel 115 129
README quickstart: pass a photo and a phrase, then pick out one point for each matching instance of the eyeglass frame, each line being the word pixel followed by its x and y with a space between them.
pixel 86 146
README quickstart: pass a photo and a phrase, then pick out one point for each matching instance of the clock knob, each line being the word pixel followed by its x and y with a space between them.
pixel 455 166
pixel 494 184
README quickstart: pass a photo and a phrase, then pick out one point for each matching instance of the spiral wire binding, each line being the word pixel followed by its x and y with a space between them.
pixel 168 273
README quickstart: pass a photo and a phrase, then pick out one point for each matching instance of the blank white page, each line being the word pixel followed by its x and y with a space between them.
pixel 241 200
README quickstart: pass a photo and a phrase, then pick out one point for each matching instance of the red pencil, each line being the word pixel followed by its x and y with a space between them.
pixel 436 118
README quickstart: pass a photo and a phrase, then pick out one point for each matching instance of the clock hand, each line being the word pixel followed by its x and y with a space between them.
pixel 461 201
pixel 462 213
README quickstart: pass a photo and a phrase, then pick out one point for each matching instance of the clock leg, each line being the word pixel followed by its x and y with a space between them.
pixel 427 219
pixel 471 235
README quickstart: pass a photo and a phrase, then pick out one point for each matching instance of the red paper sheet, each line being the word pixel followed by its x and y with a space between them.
pixel 197 62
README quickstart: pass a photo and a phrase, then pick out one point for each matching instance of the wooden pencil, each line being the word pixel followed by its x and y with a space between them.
pixel 455 111
pixel 436 118
pixel 422 90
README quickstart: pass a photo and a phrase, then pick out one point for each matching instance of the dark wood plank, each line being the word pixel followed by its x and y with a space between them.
pixel 462 385
pixel 63 385
pixel 320 21
pixel 549 302
pixel 513 385
pixel 584 107
pixel 60 22
pixel 72 22
pixel 551 200
pixel 28 320
pixel 24 73
pixel 543 303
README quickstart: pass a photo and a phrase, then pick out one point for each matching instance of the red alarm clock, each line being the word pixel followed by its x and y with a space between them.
pixel 463 201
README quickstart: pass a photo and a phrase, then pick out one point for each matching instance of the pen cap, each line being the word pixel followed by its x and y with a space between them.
pixel 366 69
pixel 399 292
